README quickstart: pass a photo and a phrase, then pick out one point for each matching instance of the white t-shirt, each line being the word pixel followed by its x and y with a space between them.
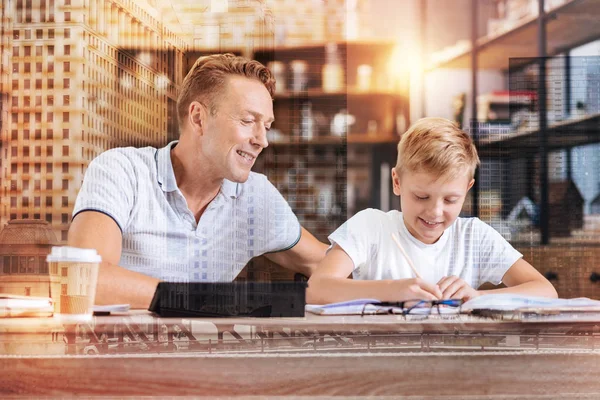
pixel 469 249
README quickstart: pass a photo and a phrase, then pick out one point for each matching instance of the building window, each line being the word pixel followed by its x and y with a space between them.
pixel 48 187
pixel 50 50
pixel 27 51
pixel 15 51
pixel 50 83
pixel 36 202
pixel 67 16
pixel 13 169
pixel 49 167
pixel 49 134
pixel 65 201
pixel 49 218
pixel 38 51
pixel 25 151
pixel 65 168
pixel 65 133
pixel 49 204
pixel 65 184
pixel 64 272
pixel 65 218
pixel 50 66
pixel 50 33
pixel 66 99
pixel 37 167
pixel 38 84
pixel 67 66
pixel 67 50
pixel 36 216
pixel 14 134
pixel 50 100
pixel 39 34
pixel 49 151
pixel 25 201
pixel 65 115
pixel 67 33
pixel 66 83
pixel 37 134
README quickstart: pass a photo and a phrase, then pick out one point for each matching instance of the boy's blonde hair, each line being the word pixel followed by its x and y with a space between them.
pixel 438 146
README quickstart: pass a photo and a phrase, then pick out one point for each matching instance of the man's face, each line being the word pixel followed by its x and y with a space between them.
pixel 234 136
pixel 430 204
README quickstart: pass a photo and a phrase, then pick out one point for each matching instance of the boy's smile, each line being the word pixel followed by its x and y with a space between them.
pixel 430 203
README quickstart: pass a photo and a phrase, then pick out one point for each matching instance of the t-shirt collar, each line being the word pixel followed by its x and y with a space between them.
pixel 166 174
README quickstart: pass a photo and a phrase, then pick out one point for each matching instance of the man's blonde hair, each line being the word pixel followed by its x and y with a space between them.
pixel 206 80
pixel 438 146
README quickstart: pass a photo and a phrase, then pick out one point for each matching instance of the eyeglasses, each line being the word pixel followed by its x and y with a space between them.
pixel 415 308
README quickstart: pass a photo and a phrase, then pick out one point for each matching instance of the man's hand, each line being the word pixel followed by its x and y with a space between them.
pixel 453 287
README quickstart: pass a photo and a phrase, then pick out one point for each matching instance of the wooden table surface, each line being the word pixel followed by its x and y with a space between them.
pixel 548 359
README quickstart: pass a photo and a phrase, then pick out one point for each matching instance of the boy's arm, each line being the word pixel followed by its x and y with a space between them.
pixel 522 278
pixel 303 257
pixel 116 285
pixel 330 284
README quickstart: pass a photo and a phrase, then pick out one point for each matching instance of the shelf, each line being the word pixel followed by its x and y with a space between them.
pixel 320 46
pixel 563 134
pixel 355 138
pixel 569 25
pixel 313 93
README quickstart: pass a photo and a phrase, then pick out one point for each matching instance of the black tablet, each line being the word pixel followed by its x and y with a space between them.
pixel 229 299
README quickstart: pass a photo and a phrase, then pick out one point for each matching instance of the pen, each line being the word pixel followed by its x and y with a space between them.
pixel 412 266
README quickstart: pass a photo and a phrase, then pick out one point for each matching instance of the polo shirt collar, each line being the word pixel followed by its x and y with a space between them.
pixel 166 175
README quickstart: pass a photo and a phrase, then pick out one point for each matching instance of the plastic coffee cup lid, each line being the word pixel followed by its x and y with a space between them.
pixel 73 254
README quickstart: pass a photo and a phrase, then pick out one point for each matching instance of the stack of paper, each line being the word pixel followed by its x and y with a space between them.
pixel 25 306
pixel 507 302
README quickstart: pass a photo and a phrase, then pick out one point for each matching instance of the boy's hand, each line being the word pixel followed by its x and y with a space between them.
pixel 453 287
pixel 417 288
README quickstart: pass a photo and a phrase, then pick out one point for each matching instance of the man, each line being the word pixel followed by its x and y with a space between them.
pixel 192 210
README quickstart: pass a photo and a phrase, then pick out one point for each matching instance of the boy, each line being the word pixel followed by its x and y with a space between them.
pixel 454 256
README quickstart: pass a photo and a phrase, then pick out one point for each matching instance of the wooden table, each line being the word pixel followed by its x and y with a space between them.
pixel 138 354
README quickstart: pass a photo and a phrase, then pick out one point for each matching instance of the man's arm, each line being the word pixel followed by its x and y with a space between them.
pixel 303 257
pixel 330 284
pixel 116 285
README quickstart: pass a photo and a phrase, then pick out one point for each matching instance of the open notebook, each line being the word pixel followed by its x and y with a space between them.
pixel 370 306
pixel 501 303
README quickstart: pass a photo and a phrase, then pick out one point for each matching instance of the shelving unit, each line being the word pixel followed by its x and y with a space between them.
pixel 533 40
pixel 318 162
pixel 520 41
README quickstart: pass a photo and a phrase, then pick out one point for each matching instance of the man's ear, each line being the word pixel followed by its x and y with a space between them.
pixel 196 113
pixel 396 182
pixel 470 184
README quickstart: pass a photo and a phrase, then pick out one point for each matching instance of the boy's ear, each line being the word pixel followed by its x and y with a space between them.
pixel 470 184
pixel 396 182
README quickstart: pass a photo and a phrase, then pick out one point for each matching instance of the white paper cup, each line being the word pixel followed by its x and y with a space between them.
pixel 73 275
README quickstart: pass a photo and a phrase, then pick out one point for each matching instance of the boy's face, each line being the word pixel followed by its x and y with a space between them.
pixel 430 204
